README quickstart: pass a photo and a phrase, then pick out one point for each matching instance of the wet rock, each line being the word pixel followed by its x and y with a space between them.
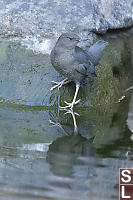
pixel 25 77
pixel 48 18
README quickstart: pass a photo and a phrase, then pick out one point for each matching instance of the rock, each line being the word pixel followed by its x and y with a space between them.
pixel 130 90
pixel 47 18
pixel 130 116
pixel 25 77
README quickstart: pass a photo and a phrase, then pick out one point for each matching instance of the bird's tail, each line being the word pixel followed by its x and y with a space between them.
pixel 95 51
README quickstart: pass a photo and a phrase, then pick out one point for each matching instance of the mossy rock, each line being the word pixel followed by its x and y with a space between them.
pixel 25 77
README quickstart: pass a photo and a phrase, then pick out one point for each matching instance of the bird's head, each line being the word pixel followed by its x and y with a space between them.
pixel 69 40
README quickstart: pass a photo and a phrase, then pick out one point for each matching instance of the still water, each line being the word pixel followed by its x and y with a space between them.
pixel 50 154
pixel 42 157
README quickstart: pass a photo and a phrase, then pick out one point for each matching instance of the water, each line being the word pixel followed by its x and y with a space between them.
pixel 49 154
pixel 38 161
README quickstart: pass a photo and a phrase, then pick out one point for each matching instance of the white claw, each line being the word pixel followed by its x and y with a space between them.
pixel 67 103
pixel 52 88
pixel 54 82
pixel 59 84
pixel 77 101
pixel 70 105
pixel 71 112
pixel 76 114
pixel 52 123
pixel 65 107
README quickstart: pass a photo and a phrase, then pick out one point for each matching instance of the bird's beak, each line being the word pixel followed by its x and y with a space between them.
pixel 84 39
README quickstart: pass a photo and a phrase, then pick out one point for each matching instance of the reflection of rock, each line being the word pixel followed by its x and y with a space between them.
pixel 26 127
pixel 130 115
pixel 40 17
pixel 75 159
pixel 105 126
pixel 74 166
pixel 41 147
pixel 130 32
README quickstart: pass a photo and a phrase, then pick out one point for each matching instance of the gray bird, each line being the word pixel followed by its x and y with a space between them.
pixel 73 62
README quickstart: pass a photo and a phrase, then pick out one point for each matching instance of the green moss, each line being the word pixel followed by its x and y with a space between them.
pixel 26 77
pixel 104 87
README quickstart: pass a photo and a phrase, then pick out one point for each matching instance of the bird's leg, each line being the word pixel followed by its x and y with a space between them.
pixel 59 84
pixel 74 102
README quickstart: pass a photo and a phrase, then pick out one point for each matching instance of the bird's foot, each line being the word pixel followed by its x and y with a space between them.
pixel 57 85
pixel 60 84
pixel 71 112
pixel 54 82
pixel 70 105
pixel 52 123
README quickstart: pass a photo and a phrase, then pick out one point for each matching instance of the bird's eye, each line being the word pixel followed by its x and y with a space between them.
pixel 70 38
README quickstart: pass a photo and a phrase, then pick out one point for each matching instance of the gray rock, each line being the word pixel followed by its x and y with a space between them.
pixel 25 77
pixel 51 17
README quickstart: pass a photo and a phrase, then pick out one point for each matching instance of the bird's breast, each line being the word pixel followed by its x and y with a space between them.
pixel 62 61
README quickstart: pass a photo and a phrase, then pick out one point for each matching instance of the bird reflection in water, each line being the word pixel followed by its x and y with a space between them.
pixel 65 152
pixel 74 114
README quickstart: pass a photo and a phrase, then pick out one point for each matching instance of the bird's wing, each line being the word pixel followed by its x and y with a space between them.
pixel 86 69
pixel 93 54
pixel 81 55
pixel 82 69
pixel 95 51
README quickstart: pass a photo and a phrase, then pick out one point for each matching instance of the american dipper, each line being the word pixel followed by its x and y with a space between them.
pixel 73 62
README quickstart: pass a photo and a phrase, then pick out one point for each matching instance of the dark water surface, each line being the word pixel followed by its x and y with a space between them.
pixel 38 161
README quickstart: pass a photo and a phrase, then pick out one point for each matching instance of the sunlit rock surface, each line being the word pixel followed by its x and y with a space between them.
pixel 48 18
